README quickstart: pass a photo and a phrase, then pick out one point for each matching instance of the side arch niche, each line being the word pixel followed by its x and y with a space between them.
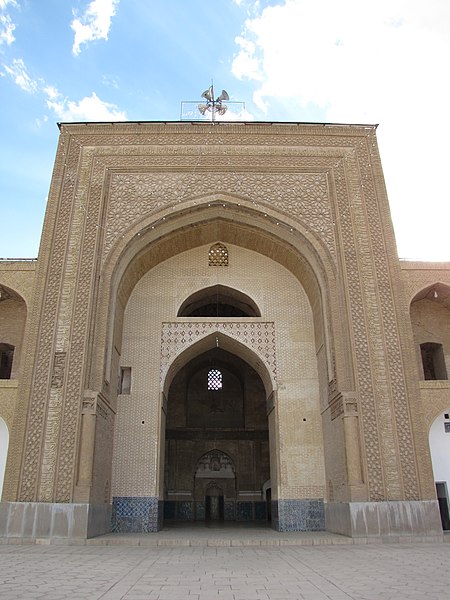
pixel 439 439
pixel 13 316
pixel 430 319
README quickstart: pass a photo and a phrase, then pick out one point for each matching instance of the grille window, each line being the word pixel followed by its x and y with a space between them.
pixel 218 255
pixel 214 379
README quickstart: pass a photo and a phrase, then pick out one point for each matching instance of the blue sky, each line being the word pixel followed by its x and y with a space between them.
pixel 352 61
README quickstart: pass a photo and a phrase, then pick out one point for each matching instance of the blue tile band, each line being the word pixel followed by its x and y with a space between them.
pixel 145 514
pixel 298 515
pixel 136 514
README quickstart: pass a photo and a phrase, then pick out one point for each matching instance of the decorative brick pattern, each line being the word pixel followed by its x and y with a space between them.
pixel 259 337
pixel 303 196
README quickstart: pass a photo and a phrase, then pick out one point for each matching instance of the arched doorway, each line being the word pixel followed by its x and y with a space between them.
pixel 217 457
pixel 4 441
pixel 440 452
pixel 214 503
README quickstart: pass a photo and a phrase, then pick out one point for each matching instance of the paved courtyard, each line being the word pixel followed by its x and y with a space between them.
pixel 341 572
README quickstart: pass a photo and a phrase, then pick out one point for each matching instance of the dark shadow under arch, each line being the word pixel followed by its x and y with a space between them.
pixel 219 301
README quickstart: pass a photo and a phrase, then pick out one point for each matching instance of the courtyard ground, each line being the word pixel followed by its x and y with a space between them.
pixel 412 571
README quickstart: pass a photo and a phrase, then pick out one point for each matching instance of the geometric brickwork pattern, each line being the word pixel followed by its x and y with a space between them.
pixel 259 337
pixel 304 197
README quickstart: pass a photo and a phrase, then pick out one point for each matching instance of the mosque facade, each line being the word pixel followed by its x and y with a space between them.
pixel 218 328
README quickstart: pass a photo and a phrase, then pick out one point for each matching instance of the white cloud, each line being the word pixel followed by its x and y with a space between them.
pixel 4 3
pixel 94 24
pixel 18 72
pixel 51 92
pixel 383 62
pixel 6 25
pixel 246 65
pixel 89 108
pixel 6 30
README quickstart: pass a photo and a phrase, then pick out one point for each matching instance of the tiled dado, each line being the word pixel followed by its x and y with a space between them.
pixel 232 511
pixel 298 515
pixel 136 514
pixel 145 514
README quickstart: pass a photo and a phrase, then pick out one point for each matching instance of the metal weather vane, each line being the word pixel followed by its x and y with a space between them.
pixel 213 106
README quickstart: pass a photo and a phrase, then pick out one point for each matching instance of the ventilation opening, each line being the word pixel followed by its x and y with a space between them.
pixel 218 255
pixel 219 301
pixel 6 360
pixel 433 361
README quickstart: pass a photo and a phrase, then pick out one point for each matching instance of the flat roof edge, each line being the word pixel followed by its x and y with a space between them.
pixel 220 123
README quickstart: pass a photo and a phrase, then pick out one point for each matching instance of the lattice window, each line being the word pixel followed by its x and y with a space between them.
pixel 218 255
pixel 214 379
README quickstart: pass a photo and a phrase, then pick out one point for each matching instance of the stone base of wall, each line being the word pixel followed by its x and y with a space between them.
pixel 53 520
pixel 365 519
pixel 298 515
pixel 142 515
pixel 132 514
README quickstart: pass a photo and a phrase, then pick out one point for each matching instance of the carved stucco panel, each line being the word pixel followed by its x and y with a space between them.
pixel 82 298
pixel 360 337
pixel 44 352
pixel 302 196
pixel 390 332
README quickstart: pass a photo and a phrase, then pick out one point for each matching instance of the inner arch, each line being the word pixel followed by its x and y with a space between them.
pixel 219 301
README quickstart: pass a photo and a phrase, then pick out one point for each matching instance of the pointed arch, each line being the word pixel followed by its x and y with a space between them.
pixel 234 222
pixel 430 320
pixel 226 342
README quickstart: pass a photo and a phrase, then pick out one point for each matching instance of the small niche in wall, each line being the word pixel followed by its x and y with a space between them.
pixel 6 360
pixel 433 361
pixel 125 380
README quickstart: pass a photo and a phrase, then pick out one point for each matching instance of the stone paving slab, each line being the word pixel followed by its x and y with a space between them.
pixel 320 572
pixel 229 534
